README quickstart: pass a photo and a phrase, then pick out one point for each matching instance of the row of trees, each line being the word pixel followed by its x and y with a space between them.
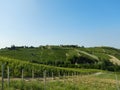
pixel 13 47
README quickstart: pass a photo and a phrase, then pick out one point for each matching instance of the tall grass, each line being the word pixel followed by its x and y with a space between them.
pixel 75 82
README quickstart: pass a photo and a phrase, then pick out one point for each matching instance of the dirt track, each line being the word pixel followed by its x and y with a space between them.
pixel 114 60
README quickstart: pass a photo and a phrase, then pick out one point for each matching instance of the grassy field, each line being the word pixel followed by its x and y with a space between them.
pixel 98 81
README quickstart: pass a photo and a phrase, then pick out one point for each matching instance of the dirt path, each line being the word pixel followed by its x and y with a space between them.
pixel 91 55
pixel 98 73
pixel 114 60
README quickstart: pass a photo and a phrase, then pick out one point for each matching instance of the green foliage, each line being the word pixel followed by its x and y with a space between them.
pixel 16 67
pixel 70 56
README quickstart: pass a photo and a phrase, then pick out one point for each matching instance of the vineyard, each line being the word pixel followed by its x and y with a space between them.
pixel 43 77
pixel 24 75
pixel 59 68
pixel 59 45
pixel 96 81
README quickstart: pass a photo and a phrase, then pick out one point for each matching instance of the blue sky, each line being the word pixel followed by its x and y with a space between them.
pixel 40 22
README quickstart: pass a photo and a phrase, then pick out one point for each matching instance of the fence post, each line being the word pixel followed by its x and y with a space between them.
pixel 2 76
pixel 8 76
pixel 72 74
pixel 22 80
pixel 44 80
pixel 22 74
pixel 64 76
pixel 52 76
pixel 32 74
pixel 59 75
pixel 117 83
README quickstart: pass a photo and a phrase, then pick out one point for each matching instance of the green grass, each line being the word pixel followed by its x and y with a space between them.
pixel 109 75
pixel 82 82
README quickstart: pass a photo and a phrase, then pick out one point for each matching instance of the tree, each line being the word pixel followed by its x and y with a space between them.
pixel 13 47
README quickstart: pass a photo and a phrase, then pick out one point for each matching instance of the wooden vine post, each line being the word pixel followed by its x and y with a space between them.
pixel 44 79
pixel 2 69
pixel 8 76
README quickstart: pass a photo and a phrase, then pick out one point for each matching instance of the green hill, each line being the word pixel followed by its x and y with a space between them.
pixel 70 56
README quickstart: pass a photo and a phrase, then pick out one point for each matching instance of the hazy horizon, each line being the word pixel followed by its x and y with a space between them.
pixel 86 23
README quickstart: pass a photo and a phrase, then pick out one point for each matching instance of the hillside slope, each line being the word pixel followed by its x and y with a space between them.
pixel 66 56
